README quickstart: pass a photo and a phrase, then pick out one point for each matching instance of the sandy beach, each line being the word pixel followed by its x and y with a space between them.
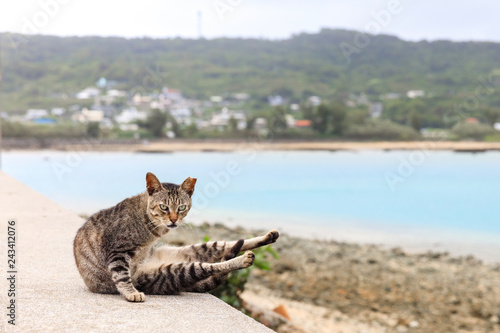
pixel 161 146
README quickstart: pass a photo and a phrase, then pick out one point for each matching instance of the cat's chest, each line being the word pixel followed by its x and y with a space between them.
pixel 140 255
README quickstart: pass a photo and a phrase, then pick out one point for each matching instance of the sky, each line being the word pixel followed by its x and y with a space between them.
pixel 413 20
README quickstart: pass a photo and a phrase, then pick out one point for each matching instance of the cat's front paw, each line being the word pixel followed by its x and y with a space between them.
pixel 136 297
pixel 248 258
pixel 271 237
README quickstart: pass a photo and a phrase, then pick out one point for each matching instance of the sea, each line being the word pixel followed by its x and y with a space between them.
pixel 417 200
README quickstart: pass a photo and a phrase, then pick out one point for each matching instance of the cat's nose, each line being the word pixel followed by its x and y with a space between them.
pixel 173 220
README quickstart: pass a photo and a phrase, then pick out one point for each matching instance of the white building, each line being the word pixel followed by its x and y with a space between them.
pixel 138 99
pixel 497 126
pixel 36 113
pixel 58 111
pixel 88 93
pixel 116 93
pixel 241 96
pixel 260 123
pixel 276 100
pixel 172 94
pixel 314 100
pixel 130 115
pixel 290 121
pixel 129 127
pixel 221 120
pixel 182 115
pixel 87 116
pixel 215 99
pixel 415 93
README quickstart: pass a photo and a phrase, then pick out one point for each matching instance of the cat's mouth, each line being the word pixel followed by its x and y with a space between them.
pixel 172 225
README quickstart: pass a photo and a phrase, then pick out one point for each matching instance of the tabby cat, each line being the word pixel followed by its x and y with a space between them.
pixel 116 249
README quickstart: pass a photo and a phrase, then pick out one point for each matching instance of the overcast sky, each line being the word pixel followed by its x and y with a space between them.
pixel 410 20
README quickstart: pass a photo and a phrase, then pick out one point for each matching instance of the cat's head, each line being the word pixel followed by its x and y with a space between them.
pixel 168 203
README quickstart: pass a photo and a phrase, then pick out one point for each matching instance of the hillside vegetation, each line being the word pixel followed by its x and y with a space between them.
pixel 459 78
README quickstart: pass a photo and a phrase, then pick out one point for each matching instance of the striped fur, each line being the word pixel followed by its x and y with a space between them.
pixel 115 249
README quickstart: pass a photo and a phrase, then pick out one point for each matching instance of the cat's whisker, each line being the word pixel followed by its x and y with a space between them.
pixel 186 225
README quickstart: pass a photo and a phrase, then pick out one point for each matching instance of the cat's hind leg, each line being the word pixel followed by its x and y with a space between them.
pixel 216 280
pixel 214 251
pixel 253 243
pixel 170 279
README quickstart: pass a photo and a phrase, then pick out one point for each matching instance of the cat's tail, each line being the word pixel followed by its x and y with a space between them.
pixel 216 280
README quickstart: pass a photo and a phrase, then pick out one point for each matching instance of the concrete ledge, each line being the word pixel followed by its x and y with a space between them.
pixel 51 297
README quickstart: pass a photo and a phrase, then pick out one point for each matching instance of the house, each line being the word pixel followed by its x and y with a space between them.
pixel 221 119
pixel 260 123
pixel 88 93
pixel 58 111
pixel 181 115
pixel 139 99
pixel 314 100
pixel 241 96
pixel 415 93
pixel 87 116
pixel 302 123
pixel 116 93
pixel 36 113
pixel 290 120
pixel 472 120
pixel 215 99
pixel 172 94
pixel 130 115
pixel 276 100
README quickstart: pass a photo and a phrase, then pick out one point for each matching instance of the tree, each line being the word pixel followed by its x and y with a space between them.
pixel 232 124
pixel 307 111
pixel 93 129
pixel 414 120
pixel 321 118
pixel 251 122
pixel 278 119
pixel 191 130
pixel 175 127
pixel 338 118
pixel 492 115
pixel 155 122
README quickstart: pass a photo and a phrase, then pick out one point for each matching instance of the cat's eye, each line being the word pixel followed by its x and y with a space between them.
pixel 163 207
pixel 182 207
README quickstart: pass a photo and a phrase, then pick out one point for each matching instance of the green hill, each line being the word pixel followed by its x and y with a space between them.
pixel 40 69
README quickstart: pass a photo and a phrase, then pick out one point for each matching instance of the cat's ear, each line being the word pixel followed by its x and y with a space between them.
pixel 188 185
pixel 152 183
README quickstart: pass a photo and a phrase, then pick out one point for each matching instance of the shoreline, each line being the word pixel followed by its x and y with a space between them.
pixel 245 145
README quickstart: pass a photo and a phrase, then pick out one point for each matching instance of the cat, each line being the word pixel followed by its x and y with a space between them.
pixel 116 249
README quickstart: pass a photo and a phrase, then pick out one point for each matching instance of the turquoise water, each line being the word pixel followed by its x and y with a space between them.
pixel 446 190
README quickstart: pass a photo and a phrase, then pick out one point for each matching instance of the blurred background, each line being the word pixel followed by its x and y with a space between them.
pixel 367 122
